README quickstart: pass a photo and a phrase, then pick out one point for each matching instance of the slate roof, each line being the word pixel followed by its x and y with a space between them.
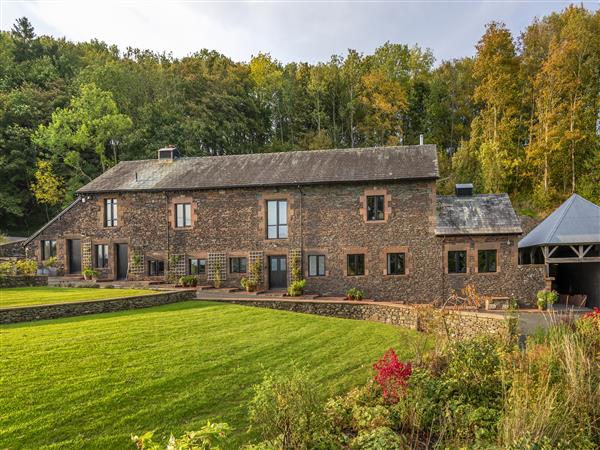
pixel 477 214
pixel 270 169
pixel 576 221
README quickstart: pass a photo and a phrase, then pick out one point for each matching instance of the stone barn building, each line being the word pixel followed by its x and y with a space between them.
pixel 368 218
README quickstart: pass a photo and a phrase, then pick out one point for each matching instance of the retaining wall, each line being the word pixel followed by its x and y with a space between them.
pixel 60 310
pixel 12 281
pixel 460 324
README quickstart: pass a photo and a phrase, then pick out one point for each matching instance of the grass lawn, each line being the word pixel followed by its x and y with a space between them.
pixel 89 382
pixel 28 296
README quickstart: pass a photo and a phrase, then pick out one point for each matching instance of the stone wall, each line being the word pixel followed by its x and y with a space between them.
pixel 327 220
pixel 12 249
pixel 55 311
pixel 460 324
pixel 12 281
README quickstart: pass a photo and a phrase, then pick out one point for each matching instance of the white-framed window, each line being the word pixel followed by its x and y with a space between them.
pixel 183 215
pixel 277 223
pixel 101 254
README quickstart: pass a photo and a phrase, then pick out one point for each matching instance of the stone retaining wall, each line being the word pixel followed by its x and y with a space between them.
pixel 60 310
pixel 460 324
pixel 12 281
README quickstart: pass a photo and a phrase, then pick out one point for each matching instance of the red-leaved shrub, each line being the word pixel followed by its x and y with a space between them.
pixel 392 375
pixel 595 314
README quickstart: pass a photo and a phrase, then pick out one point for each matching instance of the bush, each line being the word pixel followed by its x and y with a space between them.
pixel 296 288
pixel 392 376
pixel 26 267
pixel 355 294
pixel 7 268
pixel 209 437
pixel 382 438
pixel 285 408
pixel 89 273
pixel 545 299
pixel 50 262
pixel 188 281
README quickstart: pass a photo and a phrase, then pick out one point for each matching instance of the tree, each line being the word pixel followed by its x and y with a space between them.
pixel 47 187
pixel 80 134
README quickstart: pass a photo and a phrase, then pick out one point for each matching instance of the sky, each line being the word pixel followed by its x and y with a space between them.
pixel 290 30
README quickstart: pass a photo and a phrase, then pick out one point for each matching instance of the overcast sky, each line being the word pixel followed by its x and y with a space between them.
pixel 291 31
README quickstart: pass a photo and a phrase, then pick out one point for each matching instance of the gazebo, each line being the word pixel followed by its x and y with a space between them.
pixel 568 243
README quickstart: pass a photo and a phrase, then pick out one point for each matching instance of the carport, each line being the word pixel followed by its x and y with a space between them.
pixel 568 243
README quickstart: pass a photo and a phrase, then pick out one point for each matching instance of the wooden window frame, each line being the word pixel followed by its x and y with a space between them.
pixel 187 218
pixel 404 263
pixel 277 225
pixel 43 255
pixel 111 204
pixel 466 252
pixel 317 257
pixel 387 202
pixel 356 256
pixel 150 261
pixel 105 256
pixel 238 269
pixel 486 251
pixel 189 266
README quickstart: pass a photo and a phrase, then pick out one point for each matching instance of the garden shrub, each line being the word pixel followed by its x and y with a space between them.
pixel 382 438
pixel 392 375
pixel 7 268
pixel 26 267
pixel 286 408
pixel 210 437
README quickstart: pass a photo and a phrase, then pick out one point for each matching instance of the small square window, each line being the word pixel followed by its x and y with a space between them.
pixel 356 264
pixel 457 261
pixel 375 207
pixel 183 215
pixel 396 264
pixel 48 249
pixel 316 265
pixel 237 265
pixel 156 268
pixel 101 254
pixel 487 261
pixel 196 266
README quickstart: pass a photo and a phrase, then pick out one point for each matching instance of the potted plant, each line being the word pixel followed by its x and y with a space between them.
pixel 249 284
pixel 296 288
pixel 545 299
pixel 355 294
pixel 50 266
pixel 90 274
pixel 188 281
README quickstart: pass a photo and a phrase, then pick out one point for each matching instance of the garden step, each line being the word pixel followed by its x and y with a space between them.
pixel 205 287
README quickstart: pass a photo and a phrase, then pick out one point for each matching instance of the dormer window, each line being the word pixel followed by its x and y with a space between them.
pixel 110 212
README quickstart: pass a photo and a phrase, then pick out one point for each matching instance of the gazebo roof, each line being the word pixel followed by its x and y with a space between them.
pixel 576 221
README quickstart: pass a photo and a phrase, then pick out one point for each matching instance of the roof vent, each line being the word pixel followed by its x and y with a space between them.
pixel 464 190
pixel 168 154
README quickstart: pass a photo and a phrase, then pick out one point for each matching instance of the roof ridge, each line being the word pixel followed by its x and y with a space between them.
pixel 562 215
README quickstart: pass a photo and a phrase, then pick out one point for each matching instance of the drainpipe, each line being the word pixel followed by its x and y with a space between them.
pixel 167 223
pixel 301 231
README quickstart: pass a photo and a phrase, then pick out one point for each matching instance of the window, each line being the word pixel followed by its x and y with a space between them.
pixel 101 253
pixel 196 266
pixel 277 227
pixel 183 215
pixel 486 260
pixel 156 268
pixel 48 249
pixel 375 207
pixel 396 264
pixel 356 264
pixel 316 265
pixel 110 212
pixel 457 261
pixel 237 265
